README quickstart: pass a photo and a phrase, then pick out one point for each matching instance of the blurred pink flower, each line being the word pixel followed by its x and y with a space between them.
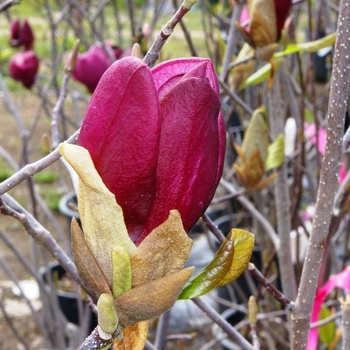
pixel 340 280
pixel 91 65
pixel 24 67
pixel 310 132
pixel 157 139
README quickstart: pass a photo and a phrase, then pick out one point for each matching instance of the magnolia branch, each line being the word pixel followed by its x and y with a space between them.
pixel 33 168
pixel 154 51
pixel 328 182
pixel 8 206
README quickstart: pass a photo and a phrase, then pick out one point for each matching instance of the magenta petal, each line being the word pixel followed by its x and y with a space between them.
pixel 121 130
pixel 340 280
pixel 168 73
pixel 189 157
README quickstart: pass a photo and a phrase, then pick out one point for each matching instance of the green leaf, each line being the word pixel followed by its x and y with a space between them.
pixel 227 265
pixel 261 74
pixel 311 46
pixel 275 153
pixel 327 331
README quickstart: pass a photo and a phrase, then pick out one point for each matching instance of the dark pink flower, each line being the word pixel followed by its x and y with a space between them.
pixel 23 67
pixel 157 139
pixel 282 8
pixel 21 35
pixel 91 65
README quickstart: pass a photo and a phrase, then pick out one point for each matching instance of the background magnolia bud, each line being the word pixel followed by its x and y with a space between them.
pixel 24 67
pixel 91 65
pixel 21 34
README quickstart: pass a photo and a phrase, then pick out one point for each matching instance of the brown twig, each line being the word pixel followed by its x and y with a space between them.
pixel 270 287
pixel 154 51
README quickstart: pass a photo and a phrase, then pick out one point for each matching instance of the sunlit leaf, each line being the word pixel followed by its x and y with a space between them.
pixel 149 300
pixel 227 265
pixel 327 331
pixel 134 337
pixel 164 251
pixel 243 248
pixel 101 216
pixel 213 273
pixel 275 153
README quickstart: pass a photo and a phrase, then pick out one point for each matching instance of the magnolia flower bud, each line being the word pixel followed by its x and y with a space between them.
pixel 23 67
pixel 157 139
pixel 21 35
pixel 91 65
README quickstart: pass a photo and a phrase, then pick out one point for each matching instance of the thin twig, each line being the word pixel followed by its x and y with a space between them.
pixel 213 228
pixel 162 328
pixel 8 206
pixel 7 4
pixel 270 287
pixel 218 319
pixel 154 51
pixel 33 168
pixel 246 203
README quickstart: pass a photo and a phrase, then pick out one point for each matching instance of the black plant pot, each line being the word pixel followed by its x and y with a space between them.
pixel 67 301
pixel 67 205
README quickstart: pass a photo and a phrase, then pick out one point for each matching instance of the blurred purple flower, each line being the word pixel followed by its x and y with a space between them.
pixel 91 65
pixel 21 35
pixel 24 67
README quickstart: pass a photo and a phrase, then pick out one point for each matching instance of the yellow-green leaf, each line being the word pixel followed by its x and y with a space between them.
pixel 243 248
pixel 213 273
pixel 275 153
pixel 122 274
pixel 311 46
pixel 327 331
pixel 164 251
pixel 262 74
pixel 101 216
pixel 229 262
